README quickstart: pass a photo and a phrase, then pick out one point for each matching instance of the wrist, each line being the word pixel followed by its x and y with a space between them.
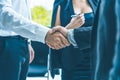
pixel 64 31
pixel 68 26
pixel 47 35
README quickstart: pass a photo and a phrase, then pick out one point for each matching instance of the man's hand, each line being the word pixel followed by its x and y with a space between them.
pixel 31 51
pixel 56 40
pixel 60 29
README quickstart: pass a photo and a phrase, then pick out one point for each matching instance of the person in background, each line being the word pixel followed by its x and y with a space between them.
pixel 15 30
pixel 105 41
pixel 74 59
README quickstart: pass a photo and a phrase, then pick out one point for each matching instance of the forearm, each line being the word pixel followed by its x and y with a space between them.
pixel 13 21
pixel 69 26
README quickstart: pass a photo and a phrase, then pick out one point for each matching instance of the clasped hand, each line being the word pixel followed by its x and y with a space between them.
pixel 56 40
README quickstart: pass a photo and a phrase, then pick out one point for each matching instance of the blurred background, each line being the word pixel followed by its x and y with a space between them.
pixel 41 13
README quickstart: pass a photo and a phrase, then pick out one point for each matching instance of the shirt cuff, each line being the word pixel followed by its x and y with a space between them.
pixel 42 33
pixel 71 38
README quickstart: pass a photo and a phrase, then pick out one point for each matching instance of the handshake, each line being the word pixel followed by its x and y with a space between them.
pixel 56 38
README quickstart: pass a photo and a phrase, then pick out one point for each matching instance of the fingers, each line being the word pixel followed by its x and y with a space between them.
pixel 61 42
pixel 61 29
pixel 76 22
pixel 64 41
pixel 56 45
pixel 31 51
pixel 55 29
pixel 81 17
pixel 81 20
pixel 31 56
pixel 57 41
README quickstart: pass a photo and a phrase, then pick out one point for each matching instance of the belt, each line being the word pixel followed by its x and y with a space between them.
pixel 15 37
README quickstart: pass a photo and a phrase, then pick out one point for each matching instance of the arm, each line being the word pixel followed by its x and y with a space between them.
pixel 31 52
pixel 74 23
pixel 78 37
pixel 13 21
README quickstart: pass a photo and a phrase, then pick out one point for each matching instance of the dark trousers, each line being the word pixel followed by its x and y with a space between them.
pixel 78 73
pixel 14 58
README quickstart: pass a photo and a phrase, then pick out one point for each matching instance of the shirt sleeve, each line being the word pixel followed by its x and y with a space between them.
pixel 11 20
pixel 71 38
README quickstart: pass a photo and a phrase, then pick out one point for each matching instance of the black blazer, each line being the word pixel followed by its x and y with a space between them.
pixel 104 40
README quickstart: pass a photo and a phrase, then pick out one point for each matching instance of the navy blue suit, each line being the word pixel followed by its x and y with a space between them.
pixel 104 40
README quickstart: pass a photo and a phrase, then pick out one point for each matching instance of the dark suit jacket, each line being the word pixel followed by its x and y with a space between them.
pixel 104 39
pixel 115 71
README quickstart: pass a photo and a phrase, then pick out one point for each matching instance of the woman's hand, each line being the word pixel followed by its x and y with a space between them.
pixel 76 22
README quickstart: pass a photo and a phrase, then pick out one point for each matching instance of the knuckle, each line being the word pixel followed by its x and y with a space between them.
pixel 60 35
pixel 57 40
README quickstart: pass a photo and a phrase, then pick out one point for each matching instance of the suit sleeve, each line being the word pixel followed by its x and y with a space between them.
pixel 82 37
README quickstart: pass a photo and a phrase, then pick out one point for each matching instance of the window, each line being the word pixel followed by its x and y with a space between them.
pixel 42 11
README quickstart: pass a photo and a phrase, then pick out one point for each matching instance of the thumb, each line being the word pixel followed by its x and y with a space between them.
pixel 55 29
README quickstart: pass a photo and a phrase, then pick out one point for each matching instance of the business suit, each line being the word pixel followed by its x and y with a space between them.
pixel 80 32
pixel 104 45
pixel 65 56
pixel 115 71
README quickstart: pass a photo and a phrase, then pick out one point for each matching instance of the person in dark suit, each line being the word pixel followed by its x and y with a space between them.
pixel 104 41
pixel 75 62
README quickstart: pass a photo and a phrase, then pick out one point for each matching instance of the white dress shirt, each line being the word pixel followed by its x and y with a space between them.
pixel 15 18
